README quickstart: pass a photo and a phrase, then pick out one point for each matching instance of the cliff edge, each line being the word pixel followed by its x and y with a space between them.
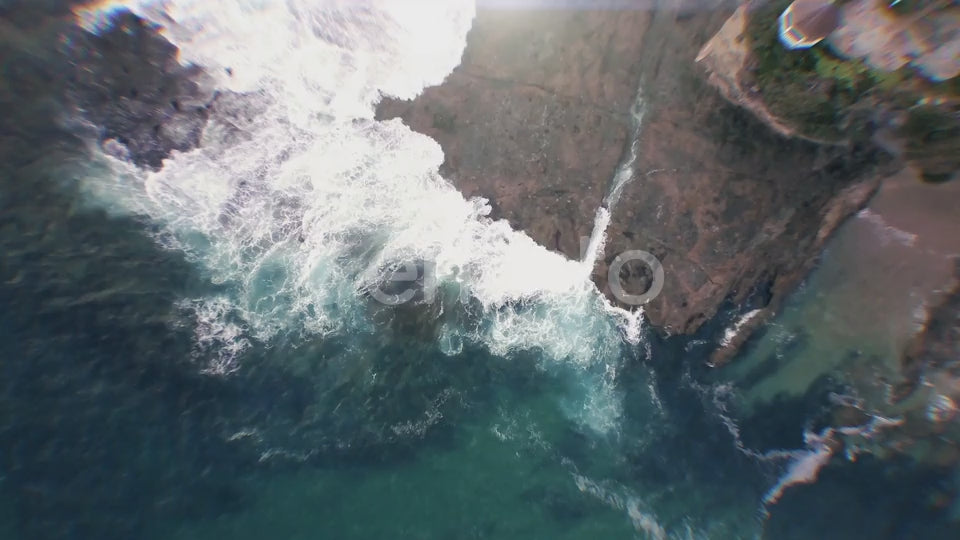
pixel 540 115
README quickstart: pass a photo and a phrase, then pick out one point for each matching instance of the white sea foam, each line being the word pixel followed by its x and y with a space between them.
pixel 732 332
pixel 297 199
pixel 596 401
pixel 218 340
pixel 888 232
pixel 598 238
pixel 643 520
pixel 625 173
pixel 802 465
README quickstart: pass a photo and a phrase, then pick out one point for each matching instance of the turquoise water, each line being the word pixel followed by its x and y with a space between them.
pixel 111 429
pixel 104 391
pixel 198 352
pixel 109 398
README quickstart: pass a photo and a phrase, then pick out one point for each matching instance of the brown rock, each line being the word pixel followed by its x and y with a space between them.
pixel 537 119
pixel 536 116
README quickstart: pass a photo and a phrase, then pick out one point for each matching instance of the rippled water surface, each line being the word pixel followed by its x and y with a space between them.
pixel 210 350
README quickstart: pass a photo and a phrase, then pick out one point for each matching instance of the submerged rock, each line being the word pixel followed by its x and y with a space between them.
pixel 870 81
pixel 124 87
pixel 933 358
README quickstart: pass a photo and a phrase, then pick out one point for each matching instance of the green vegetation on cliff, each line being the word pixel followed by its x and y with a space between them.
pixel 829 98
pixel 806 88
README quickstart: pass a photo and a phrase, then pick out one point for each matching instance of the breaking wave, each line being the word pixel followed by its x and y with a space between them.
pixel 301 205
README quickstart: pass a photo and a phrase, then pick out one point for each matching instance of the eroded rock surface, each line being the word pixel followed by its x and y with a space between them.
pixel 537 118
pixel 929 396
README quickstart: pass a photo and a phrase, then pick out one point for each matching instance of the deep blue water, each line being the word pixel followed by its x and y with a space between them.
pixel 112 425
pixel 110 432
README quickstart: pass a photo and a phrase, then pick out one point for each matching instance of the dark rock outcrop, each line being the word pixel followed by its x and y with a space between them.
pixel 928 395
pixel 130 84
pixel 124 87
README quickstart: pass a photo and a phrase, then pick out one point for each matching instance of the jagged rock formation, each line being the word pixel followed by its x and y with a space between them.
pixel 130 84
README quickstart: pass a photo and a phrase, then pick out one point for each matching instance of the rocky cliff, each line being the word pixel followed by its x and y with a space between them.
pixel 538 117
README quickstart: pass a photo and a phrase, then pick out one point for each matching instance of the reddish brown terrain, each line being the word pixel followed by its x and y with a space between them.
pixel 537 119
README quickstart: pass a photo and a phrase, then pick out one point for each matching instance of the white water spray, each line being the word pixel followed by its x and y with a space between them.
pixel 629 321
pixel 297 199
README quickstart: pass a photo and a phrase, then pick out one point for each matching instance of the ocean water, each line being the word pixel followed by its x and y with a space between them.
pixel 222 348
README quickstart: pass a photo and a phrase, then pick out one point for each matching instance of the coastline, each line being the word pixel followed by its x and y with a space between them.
pixel 731 208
